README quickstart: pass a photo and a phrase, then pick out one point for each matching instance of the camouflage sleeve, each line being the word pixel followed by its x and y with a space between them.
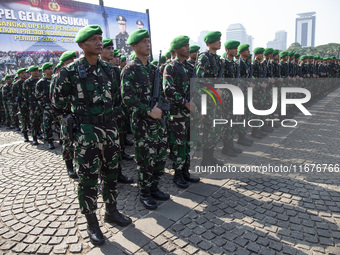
pixel 129 93
pixel 202 65
pixel 62 90
pixel 169 88
pixel 39 92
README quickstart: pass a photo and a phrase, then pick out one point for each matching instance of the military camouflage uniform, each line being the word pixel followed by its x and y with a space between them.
pixel 150 135
pixel 176 84
pixel 8 101
pixel 30 101
pixel 42 95
pixel 92 101
pixel 22 107
pixel 208 66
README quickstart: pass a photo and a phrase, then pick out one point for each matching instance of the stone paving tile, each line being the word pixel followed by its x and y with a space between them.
pixel 296 213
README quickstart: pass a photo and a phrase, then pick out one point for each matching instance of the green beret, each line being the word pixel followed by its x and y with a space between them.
pixel 194 48
pixel 168 54
pixel 3 79
pixel 21 70
pixel 8 76
pixel 303 57
pixel 86 32
pixel 107 42
pixel 297 55
pixel 46 65
pixel 283 53
pixel 138 35
pixel 243 47
pixel 258 50
pixel 33 68
pixel 316 57
pixel 310 57
pixel 333 58
pixel 238 54
pixel 154 62
pixel 275 52
pixel 67 55
pixel 133 56
pixel 179 42
pixel 163 59
pixel 212 36
pixel 231 44
pixel 122 58
pixel 115 52
pixel 291 53
pixel 268 51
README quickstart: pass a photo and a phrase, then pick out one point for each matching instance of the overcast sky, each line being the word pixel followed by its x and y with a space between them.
pixel 261 18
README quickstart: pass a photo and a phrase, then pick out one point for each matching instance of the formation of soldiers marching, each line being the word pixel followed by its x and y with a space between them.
pixel 92 101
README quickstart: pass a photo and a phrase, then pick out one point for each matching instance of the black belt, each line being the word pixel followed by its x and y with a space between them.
pixel 95 119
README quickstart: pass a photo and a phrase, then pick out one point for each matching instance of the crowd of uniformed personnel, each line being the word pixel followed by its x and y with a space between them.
pixel 92 101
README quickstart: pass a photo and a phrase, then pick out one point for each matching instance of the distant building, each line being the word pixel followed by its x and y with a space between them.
pixel 280 41
pixel 238 32
pixel 305 29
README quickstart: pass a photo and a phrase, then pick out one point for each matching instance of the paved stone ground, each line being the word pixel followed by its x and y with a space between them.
pixel 292 213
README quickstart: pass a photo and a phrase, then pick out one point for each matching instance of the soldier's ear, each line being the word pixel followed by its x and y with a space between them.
pixel 81 45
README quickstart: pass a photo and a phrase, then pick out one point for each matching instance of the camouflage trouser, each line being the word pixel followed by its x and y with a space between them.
pixel 8 120
pixel 97 149
pixel 150 151
pixel 35 119
pixel 227 113
pixel 122 128
pixel 47 122
pixel 179 143
pixel 68 147
pixel 14 114
pixel 24 119
pixel 211 135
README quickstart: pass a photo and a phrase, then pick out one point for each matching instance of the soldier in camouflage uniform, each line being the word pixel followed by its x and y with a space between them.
pixel 87 88
pixel 67 143
pixel 244 69
pixel 230 73
pixel 176 84
pixel 208 66
pixel 2 107
pixel 146 123
pixel 107 55
pixel 193 54
pixel 23 110
pixel 30 101
pixel 42 94
pixel 8 101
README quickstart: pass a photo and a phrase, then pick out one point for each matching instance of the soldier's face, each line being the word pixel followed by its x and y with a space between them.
pixel 245 53
pixel 68 61
pixel 215 45
pixel 107 53
pixel 193 55
pixel 9 81
pixel 276 58
pixel 142 47
pixel 122 28
pixel 22 76
pixel 35 74
pixel 93 45
pixel 183 52
pixel 48 72
pixel 232 52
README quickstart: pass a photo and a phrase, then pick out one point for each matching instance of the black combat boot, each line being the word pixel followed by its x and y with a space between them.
pixel 208 158
pixel 255 133
pixel 127 142
pixel 122 178
pixel 26 137
pixel 187 177
pixel 157 194
pixel 70 170
pixel 50 144
pixel 35 140
pixel 147 200
pixel 228 150
pixel 242 140
pixel 112 215
pixel 237 150
pixel 179 180
pixel 93 229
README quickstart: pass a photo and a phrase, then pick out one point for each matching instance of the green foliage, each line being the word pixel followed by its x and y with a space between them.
pixel 325 51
